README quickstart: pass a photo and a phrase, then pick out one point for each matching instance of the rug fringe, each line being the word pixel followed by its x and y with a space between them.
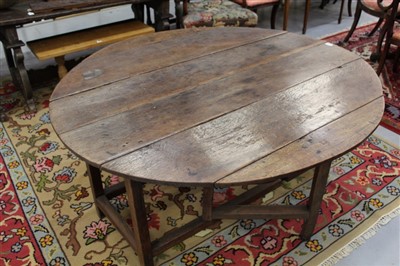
pixel 357 242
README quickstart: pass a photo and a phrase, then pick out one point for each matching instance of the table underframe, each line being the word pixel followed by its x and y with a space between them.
pixel 239 208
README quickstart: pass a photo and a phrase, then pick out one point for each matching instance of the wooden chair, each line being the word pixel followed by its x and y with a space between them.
pixel 372 7
pixel 255 4
pixel 213 13
pixel 390 36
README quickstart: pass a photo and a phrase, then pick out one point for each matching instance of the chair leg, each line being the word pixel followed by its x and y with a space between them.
pixel 396 59
pixel 349 8
pixel 273 15
pixel 324 3
pixel 355 22
pixel 383 54
pixel 377 53
pixel 178 14
pixel 286 14
pixel 341 12
pixel 148 15
pixel 378 24
pixel 381 37
pixel 306 14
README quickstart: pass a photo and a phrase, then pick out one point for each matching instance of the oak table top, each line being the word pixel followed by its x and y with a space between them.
pixel 214 107
pixel 198 107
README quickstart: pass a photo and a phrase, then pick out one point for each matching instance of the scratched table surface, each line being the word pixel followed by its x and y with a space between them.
pixel 218 106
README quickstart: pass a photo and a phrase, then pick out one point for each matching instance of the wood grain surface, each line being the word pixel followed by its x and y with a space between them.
pixel 220 105
pixel 87 39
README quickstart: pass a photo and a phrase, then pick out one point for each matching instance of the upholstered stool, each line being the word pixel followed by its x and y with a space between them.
pixel 214 13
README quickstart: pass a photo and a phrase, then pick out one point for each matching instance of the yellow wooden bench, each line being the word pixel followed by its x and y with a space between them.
pixel 58 46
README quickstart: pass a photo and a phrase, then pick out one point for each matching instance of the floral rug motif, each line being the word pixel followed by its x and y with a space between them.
pixel 363 45
pixel 47 215
pixel 361 183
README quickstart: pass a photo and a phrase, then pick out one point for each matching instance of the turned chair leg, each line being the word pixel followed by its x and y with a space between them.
pixel 286 14
pixel 354 25
pixel 273 15
pixel 396 60
pixel 306 15
pixel 377 25
pixel 341 12
pixel 349 7
pixel 375 56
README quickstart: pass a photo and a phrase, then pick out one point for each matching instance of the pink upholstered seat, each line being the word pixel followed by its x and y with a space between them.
pixel 373 4
pixel 255 4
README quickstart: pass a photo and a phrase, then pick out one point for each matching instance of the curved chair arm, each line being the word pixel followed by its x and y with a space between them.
pixel 386 34
pixel 383 7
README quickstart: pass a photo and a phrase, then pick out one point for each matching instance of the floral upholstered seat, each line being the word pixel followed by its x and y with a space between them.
pixel 217 13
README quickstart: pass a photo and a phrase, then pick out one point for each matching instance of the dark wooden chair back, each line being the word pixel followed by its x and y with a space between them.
pixel 390 37
pixel 376 8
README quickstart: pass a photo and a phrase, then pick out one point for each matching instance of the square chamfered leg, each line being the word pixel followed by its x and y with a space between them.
pixel 141 235
pixel 207 203
pixel 139 240
pixel 96 184
pixel 318 188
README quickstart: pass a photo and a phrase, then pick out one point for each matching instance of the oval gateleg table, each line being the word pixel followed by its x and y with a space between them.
pixel 214 107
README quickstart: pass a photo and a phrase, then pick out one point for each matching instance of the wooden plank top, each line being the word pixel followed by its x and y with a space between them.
pixel 216 106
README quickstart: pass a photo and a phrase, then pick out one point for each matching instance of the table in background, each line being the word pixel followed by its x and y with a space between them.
pixel 17 15
pixel 214 107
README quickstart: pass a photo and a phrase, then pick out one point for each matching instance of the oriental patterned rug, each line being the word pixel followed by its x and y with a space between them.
pixel 363 45
pixel 47 216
